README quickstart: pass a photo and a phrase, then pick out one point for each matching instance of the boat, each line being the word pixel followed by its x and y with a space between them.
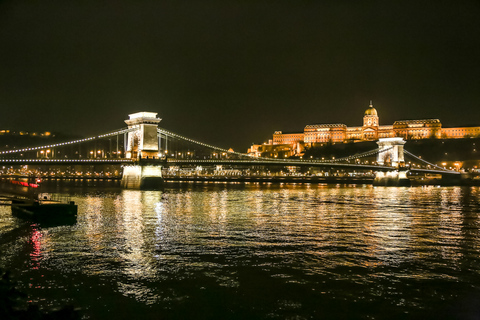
pixel 45 211
pixel 28 202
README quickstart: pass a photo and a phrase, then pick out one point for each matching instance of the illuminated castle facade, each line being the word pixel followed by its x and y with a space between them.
pixel 288 144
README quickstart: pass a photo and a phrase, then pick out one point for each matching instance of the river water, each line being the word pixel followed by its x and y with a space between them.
pixel 255 251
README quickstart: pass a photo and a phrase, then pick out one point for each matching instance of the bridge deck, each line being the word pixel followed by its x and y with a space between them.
pixel 200 162
pixel 286 162
pixel 65 161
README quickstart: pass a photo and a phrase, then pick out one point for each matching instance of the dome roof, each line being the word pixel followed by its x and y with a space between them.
pixel 371 111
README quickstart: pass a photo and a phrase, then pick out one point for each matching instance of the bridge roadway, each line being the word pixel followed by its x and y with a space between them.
pixel 305 163
pixel 171 161
pixel 415 170
pixel 286 162
pixel 66 161
pixel 250 162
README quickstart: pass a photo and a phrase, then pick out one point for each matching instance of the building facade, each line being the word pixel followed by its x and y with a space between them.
pixel 289 144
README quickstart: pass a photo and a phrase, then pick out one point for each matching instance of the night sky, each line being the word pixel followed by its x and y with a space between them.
pixel 231 72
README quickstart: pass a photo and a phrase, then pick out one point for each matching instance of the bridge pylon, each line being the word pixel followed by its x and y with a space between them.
pixel 391 153
pixel 142 144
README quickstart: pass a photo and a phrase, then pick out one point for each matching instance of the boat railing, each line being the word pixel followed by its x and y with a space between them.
pixel 54 197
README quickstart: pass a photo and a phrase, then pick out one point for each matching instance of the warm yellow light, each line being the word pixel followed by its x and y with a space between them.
pixel 91 152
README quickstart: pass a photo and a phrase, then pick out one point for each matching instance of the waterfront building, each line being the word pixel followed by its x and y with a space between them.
pixel 285 144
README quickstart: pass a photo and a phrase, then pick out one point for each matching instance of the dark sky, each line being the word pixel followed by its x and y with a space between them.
pixel 231 72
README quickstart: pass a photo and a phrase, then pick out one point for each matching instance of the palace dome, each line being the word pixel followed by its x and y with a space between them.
pixel 371 111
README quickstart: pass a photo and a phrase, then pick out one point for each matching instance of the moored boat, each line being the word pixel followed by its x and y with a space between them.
pixel 46 208
pixel 45 211
pixel 27 202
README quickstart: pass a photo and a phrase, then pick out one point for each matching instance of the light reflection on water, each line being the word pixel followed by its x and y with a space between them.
pixel 263 251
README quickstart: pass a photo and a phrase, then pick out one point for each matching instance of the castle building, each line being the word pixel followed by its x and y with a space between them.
pixel 288 144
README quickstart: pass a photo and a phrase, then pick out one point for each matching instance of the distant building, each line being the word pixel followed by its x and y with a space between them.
pixel 24 133
pixel 289 144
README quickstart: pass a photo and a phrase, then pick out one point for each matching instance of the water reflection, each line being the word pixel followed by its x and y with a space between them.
pixel 301 244
pixel 36 251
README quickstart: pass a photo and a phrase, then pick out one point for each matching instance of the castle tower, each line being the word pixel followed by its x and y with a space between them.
pixel 370 123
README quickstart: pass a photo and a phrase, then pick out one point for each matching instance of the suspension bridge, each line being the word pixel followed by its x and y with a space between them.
pixel 147 152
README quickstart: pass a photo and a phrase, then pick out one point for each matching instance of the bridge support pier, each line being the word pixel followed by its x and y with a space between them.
pixel 396 178
pixel 138 176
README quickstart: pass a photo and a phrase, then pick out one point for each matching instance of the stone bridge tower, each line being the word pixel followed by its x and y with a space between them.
pixel 143 142
pixel 393 156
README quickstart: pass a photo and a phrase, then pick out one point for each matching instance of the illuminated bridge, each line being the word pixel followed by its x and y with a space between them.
pixel 143 153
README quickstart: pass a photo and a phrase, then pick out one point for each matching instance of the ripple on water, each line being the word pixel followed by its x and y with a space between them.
pixel 270 252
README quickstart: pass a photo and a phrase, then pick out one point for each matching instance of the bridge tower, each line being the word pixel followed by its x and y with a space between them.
pixel 142 144
pixel 391 154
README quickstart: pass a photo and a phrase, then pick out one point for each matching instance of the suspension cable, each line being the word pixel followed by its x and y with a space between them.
pixel 122 131
pixel 424 161
pixel 174 135
pixel 360 155
pixel 355 156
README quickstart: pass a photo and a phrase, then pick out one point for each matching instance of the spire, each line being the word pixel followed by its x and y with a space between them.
pixel 371 110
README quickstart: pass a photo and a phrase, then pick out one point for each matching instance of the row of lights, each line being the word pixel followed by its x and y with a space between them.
pixel 171 134
pixel 178 136
pixel 430 164
pixel 67 143
pixel 64 160
pixel 174 135
pixel 117 132
pixel 268 160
